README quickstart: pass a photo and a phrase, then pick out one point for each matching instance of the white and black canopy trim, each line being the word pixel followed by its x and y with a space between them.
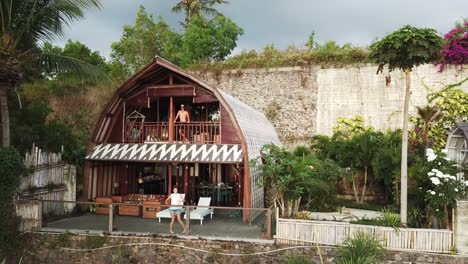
pixel 168 152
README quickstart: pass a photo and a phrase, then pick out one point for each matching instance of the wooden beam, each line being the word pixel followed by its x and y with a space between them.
pixel 87 175
pixel 171 119
pixel 165 86
pixel 169 172
pixel 186 179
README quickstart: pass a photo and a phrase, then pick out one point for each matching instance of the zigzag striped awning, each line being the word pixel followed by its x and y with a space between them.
pixel 167 152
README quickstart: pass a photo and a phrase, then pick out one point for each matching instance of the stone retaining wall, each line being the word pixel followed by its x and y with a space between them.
pixel 305 101
pixel 203 251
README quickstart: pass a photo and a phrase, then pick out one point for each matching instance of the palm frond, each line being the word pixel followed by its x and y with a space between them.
pixel 63 64
pixel 28 21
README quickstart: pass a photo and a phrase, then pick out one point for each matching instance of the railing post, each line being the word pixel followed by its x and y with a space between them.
pixel 187 220
pixel 268 223
pixel 39 213
pixel 111 217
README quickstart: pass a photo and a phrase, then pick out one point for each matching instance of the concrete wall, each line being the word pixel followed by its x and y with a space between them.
pixel 308 101
pixel 461 227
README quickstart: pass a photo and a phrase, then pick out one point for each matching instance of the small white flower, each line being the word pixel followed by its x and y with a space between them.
pixel 433 193
pixel 431 173
pixel 456 189
pixel 466 183
pixel 439 163
pixel 437 210
pixel 430 155
pixel 435 181
pixel 311 167
pixel 445 151
pixel 441 194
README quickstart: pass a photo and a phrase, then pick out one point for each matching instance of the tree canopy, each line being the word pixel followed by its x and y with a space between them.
pixel 406 48
pixel 201 39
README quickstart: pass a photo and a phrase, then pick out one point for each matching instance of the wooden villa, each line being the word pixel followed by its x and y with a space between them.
pixel 138 150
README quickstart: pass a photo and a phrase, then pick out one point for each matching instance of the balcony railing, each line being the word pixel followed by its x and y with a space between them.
pixel 193 132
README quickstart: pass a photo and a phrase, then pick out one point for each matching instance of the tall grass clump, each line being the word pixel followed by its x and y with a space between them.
pixel 362 248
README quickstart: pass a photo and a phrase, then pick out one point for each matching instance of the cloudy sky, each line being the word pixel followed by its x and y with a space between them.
pixel 281 22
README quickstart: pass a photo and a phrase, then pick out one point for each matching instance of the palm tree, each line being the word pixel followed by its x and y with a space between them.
pixel 197 8
pixel 23 26
pixel 428 114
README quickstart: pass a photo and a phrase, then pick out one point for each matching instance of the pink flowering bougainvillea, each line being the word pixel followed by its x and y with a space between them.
pixel 455 51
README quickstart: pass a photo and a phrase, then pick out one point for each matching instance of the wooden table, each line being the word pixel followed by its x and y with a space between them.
pixel 150 208
pixel 130 208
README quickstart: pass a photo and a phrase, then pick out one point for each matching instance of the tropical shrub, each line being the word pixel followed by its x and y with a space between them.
pixel 289 179
pixel 446 107
pixel 437 183
pixel 362 248
pixel 11 167
pixel 364 154
pixel 455 51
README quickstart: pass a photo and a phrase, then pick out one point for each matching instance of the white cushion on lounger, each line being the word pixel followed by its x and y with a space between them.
pixel 200 213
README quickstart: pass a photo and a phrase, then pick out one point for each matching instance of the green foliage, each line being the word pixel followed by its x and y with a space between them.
pixel 197 8
pixel 11 167
pixel 361 248
pixel 301 151
pixel 272 111
pixel 91 242
pixel 351 126
pixel 436 188
pixel 453 106
pixel 364 153
pixel 121 255
pixel 63 240
pixel 406 48
pixel 297 259
pixel 302 215
pixel 289 178
pixel 327 54
pixel 206 40
pixel 389 218
pixel 209 40
pixel 141 42
pixel 386 163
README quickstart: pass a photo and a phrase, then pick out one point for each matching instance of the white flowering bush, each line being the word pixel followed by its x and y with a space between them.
pixel 442 186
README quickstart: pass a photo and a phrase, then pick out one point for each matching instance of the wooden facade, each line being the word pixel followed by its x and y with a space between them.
pixel 137 147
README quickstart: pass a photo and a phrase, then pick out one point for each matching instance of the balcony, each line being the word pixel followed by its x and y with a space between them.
pixel 193 132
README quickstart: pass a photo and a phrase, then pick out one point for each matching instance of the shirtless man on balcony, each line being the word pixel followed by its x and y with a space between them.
pixel 184 117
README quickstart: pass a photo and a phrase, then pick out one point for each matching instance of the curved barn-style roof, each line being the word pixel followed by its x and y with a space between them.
pixel 250 129
pixel 255 127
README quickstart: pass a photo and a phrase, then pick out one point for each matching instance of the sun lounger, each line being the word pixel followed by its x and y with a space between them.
pixel 200 213
pixel 166 214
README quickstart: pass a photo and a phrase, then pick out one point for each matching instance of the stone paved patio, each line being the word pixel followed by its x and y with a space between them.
pixel 221 226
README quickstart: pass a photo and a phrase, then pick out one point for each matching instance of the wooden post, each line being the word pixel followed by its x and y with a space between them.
pixel 111 217
pixel 186 179
pixel 268 234
pixel 171 119
pixel 39 214
pixel 187 221
pixel 169 172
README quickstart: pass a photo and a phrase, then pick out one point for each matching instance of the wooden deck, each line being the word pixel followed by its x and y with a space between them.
pixel 222 226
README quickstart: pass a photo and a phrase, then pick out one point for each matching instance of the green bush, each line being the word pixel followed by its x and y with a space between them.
pixel 11 167
pixel 327 54
pixel 297 259
pixel 362 248
pixel 91 242
pixel 390 218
